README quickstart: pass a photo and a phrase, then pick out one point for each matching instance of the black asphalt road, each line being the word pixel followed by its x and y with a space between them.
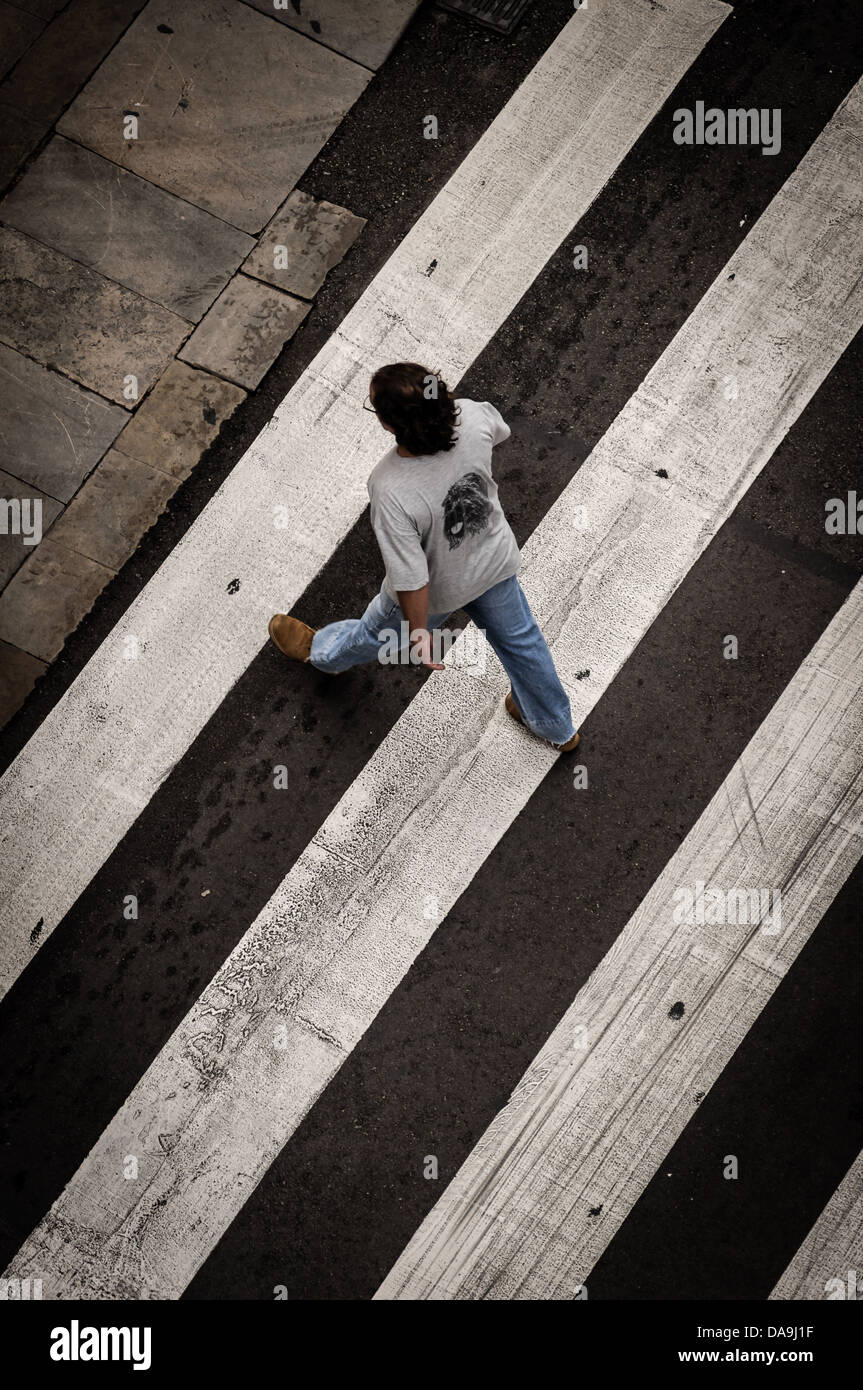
pixel 104 994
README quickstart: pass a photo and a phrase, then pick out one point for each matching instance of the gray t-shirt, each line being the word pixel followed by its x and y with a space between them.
pixel 437 517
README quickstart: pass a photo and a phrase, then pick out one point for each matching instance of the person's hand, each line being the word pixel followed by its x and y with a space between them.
pixel 421 651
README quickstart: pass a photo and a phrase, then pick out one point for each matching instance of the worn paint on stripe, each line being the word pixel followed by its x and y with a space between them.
pixel 361 902
pixel 560 1167
pixel 829 1263
pixel 118 731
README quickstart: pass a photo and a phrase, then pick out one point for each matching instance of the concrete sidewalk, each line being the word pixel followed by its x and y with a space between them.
pixel 156 257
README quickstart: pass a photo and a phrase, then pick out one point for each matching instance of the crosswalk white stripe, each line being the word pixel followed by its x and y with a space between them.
pixel 97 759
pixel 829 1263
pixel 556 1173
pixel 320 960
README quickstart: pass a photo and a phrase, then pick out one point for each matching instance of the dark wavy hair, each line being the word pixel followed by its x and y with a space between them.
pixel 423 424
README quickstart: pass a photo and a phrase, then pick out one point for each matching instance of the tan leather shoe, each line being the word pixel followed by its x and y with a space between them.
pixel 568 747
pixel 291 636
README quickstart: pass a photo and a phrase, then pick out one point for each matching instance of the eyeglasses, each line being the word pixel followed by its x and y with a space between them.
pixel 370 406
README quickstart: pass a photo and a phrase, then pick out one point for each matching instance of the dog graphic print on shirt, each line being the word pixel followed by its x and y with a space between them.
pixel 466 509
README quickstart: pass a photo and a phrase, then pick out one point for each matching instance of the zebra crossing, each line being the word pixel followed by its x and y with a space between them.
pixel 828 1260
pixel 283 1020
pixel 97 759
pixel 553 1179
pixel 295 998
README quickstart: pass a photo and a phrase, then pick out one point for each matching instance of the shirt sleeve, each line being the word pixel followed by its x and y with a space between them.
pixel 400 545
pixel 500 430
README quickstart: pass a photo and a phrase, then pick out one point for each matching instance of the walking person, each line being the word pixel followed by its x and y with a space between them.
pixel 446 545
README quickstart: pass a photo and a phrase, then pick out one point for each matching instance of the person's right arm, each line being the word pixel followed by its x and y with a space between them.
pixel 414 604
pixel 407 570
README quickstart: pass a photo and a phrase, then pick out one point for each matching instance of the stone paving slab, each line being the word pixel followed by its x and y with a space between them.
pixel 54 431
pixel 47 598
pixel 14 547
pixel 116 505
pixel 179 419
pixel 245 331
pixel 70 318
pixel 19 672
pixel 45 9
pixel 66 53
pixel 18 30
pixel 126 228
pixel 20 136
pixel 232 106
pixel 50 74
pixel 305 239
pixel 365 30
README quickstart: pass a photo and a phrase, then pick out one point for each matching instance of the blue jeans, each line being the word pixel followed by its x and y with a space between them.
pixel 503 613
